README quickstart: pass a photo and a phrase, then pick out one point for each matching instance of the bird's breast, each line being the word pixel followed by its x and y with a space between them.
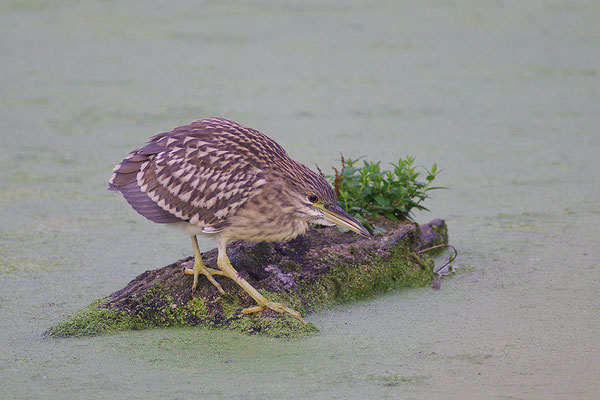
pixel 260 229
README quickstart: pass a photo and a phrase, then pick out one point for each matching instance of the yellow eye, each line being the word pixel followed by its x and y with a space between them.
pixel 313 198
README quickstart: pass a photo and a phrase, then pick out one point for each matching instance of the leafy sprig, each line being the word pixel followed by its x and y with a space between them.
pixel 368 193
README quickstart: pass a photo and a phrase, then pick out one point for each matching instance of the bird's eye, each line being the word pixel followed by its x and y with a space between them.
pixel 313 198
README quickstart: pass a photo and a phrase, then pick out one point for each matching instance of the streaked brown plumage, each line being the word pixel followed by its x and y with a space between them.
pixel 218 178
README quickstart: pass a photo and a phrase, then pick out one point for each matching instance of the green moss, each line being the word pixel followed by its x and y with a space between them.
pixel 283 326
pixel 95 319
pixel 197 308
pixel 343 283
pixel 288 266
pixel 159 309
pixel 443 239
pixel 156 309
pixel 230 305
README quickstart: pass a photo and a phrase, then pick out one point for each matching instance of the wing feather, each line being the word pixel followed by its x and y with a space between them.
pixel 201 173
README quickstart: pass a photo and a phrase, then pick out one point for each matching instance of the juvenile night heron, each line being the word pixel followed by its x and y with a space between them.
pixel 217 178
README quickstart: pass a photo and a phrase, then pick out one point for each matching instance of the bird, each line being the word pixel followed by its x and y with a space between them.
pixel 217 178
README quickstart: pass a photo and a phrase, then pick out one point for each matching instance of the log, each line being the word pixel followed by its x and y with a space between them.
pixel 320 269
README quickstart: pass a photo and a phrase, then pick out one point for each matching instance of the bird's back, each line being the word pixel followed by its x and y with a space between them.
pixel 200 173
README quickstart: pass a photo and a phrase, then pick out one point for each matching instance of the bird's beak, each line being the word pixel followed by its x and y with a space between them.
pixel 335 214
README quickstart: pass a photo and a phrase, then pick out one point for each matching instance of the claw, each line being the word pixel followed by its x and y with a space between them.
pixel 208 272
pixel 277 307
pixel 230 272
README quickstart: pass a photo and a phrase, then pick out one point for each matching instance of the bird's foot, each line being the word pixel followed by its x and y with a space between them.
pixel 263 303
pixel 277 307
pixel 208 272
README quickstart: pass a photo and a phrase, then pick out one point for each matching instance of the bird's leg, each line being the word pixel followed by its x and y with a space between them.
pixel 199 268
pixel 225 265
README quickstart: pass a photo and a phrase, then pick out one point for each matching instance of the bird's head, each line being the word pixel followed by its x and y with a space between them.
pixel 318 203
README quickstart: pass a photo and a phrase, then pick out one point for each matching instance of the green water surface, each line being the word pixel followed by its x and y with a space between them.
pixel 505 96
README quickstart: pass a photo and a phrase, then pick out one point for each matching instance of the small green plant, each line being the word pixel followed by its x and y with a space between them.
pixel 367 192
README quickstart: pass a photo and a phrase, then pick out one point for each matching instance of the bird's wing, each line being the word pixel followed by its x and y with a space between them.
pixel 198 173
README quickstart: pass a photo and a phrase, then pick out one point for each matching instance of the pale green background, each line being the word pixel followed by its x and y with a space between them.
pixel 504 95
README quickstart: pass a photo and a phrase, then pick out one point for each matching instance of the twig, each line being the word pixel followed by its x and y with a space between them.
pixel 450 259
pixel 338 176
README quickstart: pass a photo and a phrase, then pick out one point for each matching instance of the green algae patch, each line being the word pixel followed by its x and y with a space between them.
pixel 93 320
pixel 321 269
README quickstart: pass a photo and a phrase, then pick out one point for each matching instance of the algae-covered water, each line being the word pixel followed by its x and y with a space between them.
pixel 505 96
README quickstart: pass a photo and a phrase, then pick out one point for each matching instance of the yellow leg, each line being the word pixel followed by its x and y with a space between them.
pixel 199 268
pixel 225 265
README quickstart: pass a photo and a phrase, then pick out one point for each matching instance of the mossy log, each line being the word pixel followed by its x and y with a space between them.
pixel 316 270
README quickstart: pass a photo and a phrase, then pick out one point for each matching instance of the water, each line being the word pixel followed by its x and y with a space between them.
pixel 503 95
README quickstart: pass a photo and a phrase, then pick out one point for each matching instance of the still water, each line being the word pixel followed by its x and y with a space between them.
pixel 503 95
